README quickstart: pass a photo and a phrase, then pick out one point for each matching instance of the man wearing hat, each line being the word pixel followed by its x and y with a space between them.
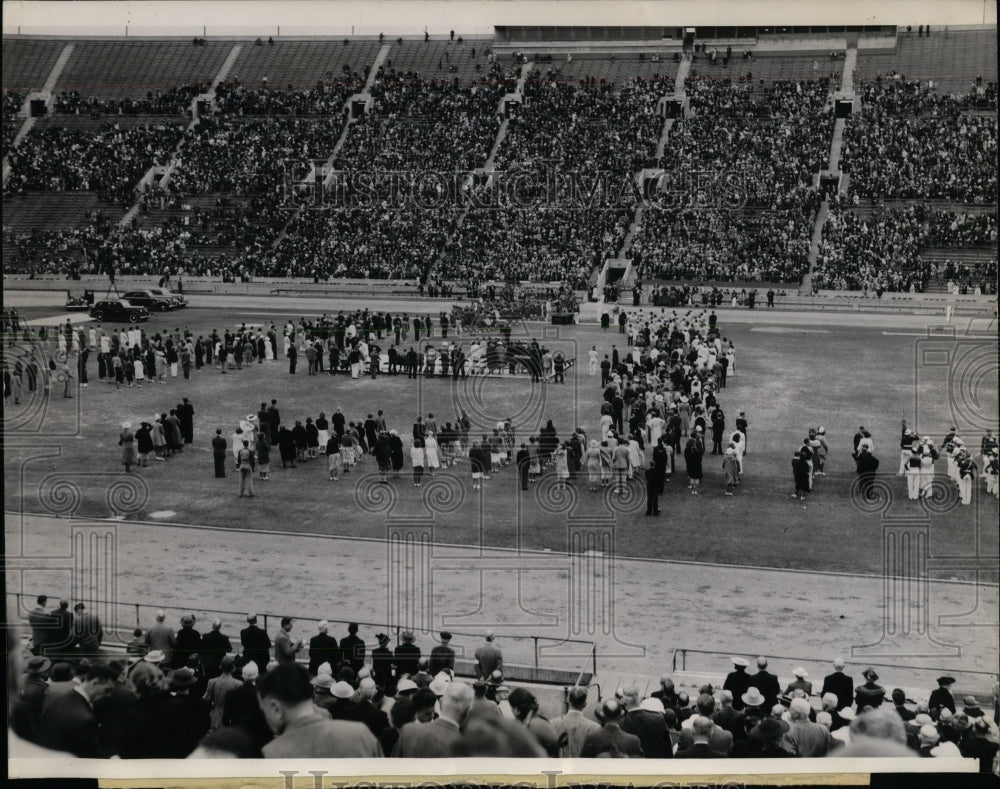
pixel 87 630
pixel 188 641
pixel 183 685
pixel 161 638
pixel 980 743
pixel 301 730
pixel 323 648
pixel 406 656
pixel 610 740
pixel 242 708
pixel 871 694
pixel 766 741
pixel 646 721
pixel 738 681
pixel 971 707
pixel 382 660
pixel 256 643
pixel 442 655
pixel 341 705
pixel 839 683
pixel 754 705
pixel 27 706
pixel 489 657
pixel 800 682
pixel 323 691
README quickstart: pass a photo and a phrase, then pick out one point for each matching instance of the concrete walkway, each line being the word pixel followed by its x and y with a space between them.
pixel 638 611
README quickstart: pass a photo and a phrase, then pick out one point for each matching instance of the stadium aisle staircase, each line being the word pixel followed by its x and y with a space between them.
pixel 837 142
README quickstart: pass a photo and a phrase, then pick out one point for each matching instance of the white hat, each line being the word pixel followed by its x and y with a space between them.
pixel 438 686
pixel 251 671
pixel 342 690
pixel 126 424
pixel 325 668
pixel 800 672
pixel 847 714
pixel 405 684
pixel 738 661
pixel 651 705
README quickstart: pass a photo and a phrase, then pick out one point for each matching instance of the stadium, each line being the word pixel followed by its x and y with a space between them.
pixel 659 359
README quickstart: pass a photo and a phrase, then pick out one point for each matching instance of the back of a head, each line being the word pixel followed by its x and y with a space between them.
pixel 631 696
pixel 496 737
pixel 611 710
pixel 701 726
pixel 147 678
pixel 232 742
pixel 457 698
pixel 289 684
pixel 706 704
pixel 402 712
pixel 424 699
pixel 799 709
pixel 762 662
pixel 577 697
pixel 879 724
pixel 522 700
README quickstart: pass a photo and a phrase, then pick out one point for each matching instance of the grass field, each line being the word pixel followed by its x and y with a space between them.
pixel 786 379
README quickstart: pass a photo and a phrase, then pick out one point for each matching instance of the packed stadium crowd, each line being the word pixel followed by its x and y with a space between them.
pixel 188 689
pixel 911 143
pixel 174 101
pixel 884 251
pixel 110 160
pixel 724 245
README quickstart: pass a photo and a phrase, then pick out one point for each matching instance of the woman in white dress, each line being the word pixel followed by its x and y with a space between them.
pixel 432 458
pixel 269 349
pixel 636 460
pixel 139 370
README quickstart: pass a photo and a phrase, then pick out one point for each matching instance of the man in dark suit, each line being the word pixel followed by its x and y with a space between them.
pixel 382 658
pixel 523 461
pixel 667 694
pixel 610 740
pixel 364 711
pixel 219 453
pixel 214 646
pixel 273 421
pixel 352 648
pixel 68 722
pixel 442 655
pixel 256 643
pixel 653 484
pixel 41 623
pixel 839 684
pixel 738 681
pixel 766 683
pixel 242 708
pixel 323 648
pixel 407 657
pixel 645 720
pixel 701 731
pixel 435 738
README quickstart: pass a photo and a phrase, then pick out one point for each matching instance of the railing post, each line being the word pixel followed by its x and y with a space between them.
pixel 137 624
pixel 594 653
pixel 535 639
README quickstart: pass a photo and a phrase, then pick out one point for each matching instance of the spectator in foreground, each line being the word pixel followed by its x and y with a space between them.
pixel 301 730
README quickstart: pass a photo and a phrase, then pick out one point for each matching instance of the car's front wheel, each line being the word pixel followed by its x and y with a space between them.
pixel 162 306
pixel 98 316
pixel 133 318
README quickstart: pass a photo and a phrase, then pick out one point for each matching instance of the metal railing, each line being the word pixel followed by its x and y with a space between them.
pixel 119 619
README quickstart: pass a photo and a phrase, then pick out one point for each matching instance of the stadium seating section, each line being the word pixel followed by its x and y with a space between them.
pixel 233 192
